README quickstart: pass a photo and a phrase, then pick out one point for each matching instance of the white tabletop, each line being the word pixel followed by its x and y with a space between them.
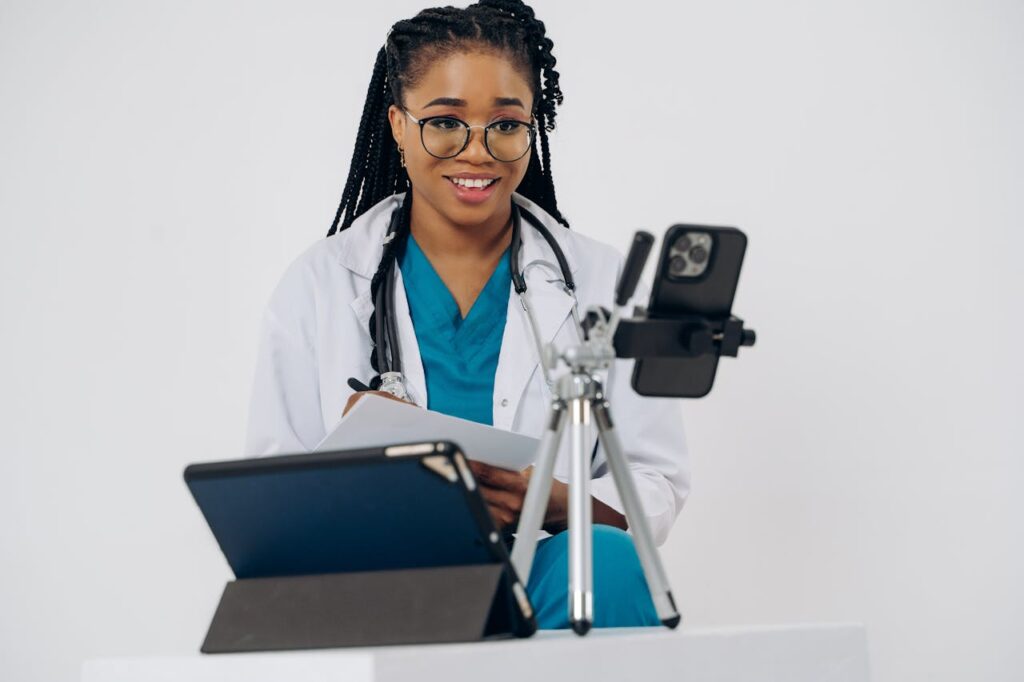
pixel 791 653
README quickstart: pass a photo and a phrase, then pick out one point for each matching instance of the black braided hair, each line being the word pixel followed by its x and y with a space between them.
pixel 508 27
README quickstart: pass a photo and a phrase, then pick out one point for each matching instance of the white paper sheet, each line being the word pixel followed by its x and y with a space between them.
pixel 376 421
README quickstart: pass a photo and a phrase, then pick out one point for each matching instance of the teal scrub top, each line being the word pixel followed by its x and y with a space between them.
pixel 459 355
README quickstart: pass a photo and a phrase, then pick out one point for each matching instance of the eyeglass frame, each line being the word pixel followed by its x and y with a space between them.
pixel 531 126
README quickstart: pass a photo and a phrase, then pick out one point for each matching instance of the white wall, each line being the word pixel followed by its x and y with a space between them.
pixel 160 163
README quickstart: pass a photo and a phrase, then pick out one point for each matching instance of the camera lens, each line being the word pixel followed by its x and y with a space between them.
pixel 698 254
pixel 677 265
pixel 682 244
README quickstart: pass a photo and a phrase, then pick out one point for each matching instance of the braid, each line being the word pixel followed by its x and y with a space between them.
pixel 508 27
pixel 374 168
pixel 392 252
pixel 538 185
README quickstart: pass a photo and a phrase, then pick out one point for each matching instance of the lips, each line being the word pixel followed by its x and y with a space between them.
pixel 466 190
pixel 472 181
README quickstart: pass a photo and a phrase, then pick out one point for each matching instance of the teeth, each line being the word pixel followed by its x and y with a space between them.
pixel 477 183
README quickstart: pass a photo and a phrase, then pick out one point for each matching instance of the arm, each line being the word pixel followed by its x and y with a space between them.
pixel 557 518
pixel 284 407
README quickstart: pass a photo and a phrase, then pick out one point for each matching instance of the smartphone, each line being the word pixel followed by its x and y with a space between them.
pixel 698 270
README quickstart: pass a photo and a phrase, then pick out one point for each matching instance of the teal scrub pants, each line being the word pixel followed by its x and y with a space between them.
pixel 621 597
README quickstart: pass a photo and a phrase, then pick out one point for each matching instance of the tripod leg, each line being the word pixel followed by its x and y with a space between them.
pixel 654 572
pixel 535 504
pixel 581 594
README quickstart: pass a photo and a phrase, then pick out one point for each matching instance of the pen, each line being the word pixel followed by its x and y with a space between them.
pixel 357 385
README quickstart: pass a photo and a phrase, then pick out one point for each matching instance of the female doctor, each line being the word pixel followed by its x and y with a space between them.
pixel 458 104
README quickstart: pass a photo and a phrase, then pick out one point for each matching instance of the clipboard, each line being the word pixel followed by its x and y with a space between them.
pixel 373 546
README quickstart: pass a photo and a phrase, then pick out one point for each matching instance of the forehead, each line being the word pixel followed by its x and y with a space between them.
pixel 478 78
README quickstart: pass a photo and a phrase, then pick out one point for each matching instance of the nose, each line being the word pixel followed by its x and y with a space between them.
pixel 476 150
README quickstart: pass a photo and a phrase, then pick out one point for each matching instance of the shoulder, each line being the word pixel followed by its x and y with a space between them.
pixel 594 254
pixel 305 275
pixel 343 261
pixel 594 264
pixel 581 250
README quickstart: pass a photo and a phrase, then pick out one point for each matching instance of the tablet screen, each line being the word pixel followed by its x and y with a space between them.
pixel 341 515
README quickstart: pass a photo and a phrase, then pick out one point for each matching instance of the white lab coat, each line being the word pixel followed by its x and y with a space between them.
pixel 314 337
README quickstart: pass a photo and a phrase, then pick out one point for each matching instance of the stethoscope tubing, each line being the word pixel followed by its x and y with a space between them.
pixel 386 327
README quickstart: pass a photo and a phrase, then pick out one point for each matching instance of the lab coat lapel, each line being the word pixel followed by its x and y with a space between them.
pixel 412 364
pixel 518 360
pixel 360 252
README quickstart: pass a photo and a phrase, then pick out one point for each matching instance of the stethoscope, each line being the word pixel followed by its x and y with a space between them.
pixel 389 357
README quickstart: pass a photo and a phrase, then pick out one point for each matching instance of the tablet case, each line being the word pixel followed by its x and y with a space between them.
pixel 444 576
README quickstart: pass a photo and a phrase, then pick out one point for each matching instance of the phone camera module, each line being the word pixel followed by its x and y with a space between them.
pixel 689 255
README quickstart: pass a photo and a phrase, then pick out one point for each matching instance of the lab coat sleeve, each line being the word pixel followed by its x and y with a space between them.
pixel 284 407
pixel 652 437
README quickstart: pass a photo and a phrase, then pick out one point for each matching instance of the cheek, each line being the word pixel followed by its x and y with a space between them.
pixel 420 165
pixel 520 170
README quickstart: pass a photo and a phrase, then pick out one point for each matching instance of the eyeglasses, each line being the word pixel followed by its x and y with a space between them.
pixel 445 137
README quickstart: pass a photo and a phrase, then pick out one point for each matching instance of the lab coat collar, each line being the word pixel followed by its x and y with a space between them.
pixel 360 251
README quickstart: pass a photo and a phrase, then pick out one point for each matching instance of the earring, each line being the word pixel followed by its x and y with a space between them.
pixel 401 153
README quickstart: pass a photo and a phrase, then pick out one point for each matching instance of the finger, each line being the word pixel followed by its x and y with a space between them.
pixel 483 472
pixel 503 499
pixel 508 480
pixel 501 517
pixel 482 467
pixel 357 385
pixel 355 397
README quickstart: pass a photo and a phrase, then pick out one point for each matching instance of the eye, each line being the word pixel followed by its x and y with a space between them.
pixel 507 127
pixel 445 123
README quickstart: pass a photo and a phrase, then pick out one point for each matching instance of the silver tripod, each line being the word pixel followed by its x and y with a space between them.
pixel 579 399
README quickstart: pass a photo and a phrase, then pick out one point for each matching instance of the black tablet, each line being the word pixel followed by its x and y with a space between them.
pixel 390 545
pixel 397 507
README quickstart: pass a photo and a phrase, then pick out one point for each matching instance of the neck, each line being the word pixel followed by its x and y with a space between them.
pixel 439 237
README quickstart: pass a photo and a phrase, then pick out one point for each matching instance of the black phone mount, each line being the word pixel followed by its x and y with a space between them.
pixel 683 336
pixel 644 336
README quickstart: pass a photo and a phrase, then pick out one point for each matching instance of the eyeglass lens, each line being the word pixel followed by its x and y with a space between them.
pixel 505 140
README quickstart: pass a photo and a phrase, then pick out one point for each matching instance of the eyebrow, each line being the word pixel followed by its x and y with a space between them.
pixel 456 102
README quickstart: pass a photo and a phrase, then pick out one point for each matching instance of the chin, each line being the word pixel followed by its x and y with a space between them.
pixel 462 213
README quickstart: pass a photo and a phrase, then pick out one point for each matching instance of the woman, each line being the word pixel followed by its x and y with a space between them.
pixel 457 103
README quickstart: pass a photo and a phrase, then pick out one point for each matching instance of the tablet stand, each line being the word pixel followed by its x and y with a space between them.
pixel 409 606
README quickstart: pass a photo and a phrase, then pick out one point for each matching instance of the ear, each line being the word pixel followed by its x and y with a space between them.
pixel 397 119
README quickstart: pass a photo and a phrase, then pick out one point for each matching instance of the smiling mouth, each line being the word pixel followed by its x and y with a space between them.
pixel 478 184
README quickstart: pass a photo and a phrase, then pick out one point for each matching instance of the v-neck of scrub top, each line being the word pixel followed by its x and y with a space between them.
pixel 459 355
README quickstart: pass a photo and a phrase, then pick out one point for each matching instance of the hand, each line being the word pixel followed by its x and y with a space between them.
pixel 504 492
pixel 354 398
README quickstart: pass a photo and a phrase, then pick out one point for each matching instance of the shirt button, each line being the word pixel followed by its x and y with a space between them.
pixel 504 402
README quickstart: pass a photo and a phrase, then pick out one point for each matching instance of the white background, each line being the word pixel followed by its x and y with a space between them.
pixel 161 163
